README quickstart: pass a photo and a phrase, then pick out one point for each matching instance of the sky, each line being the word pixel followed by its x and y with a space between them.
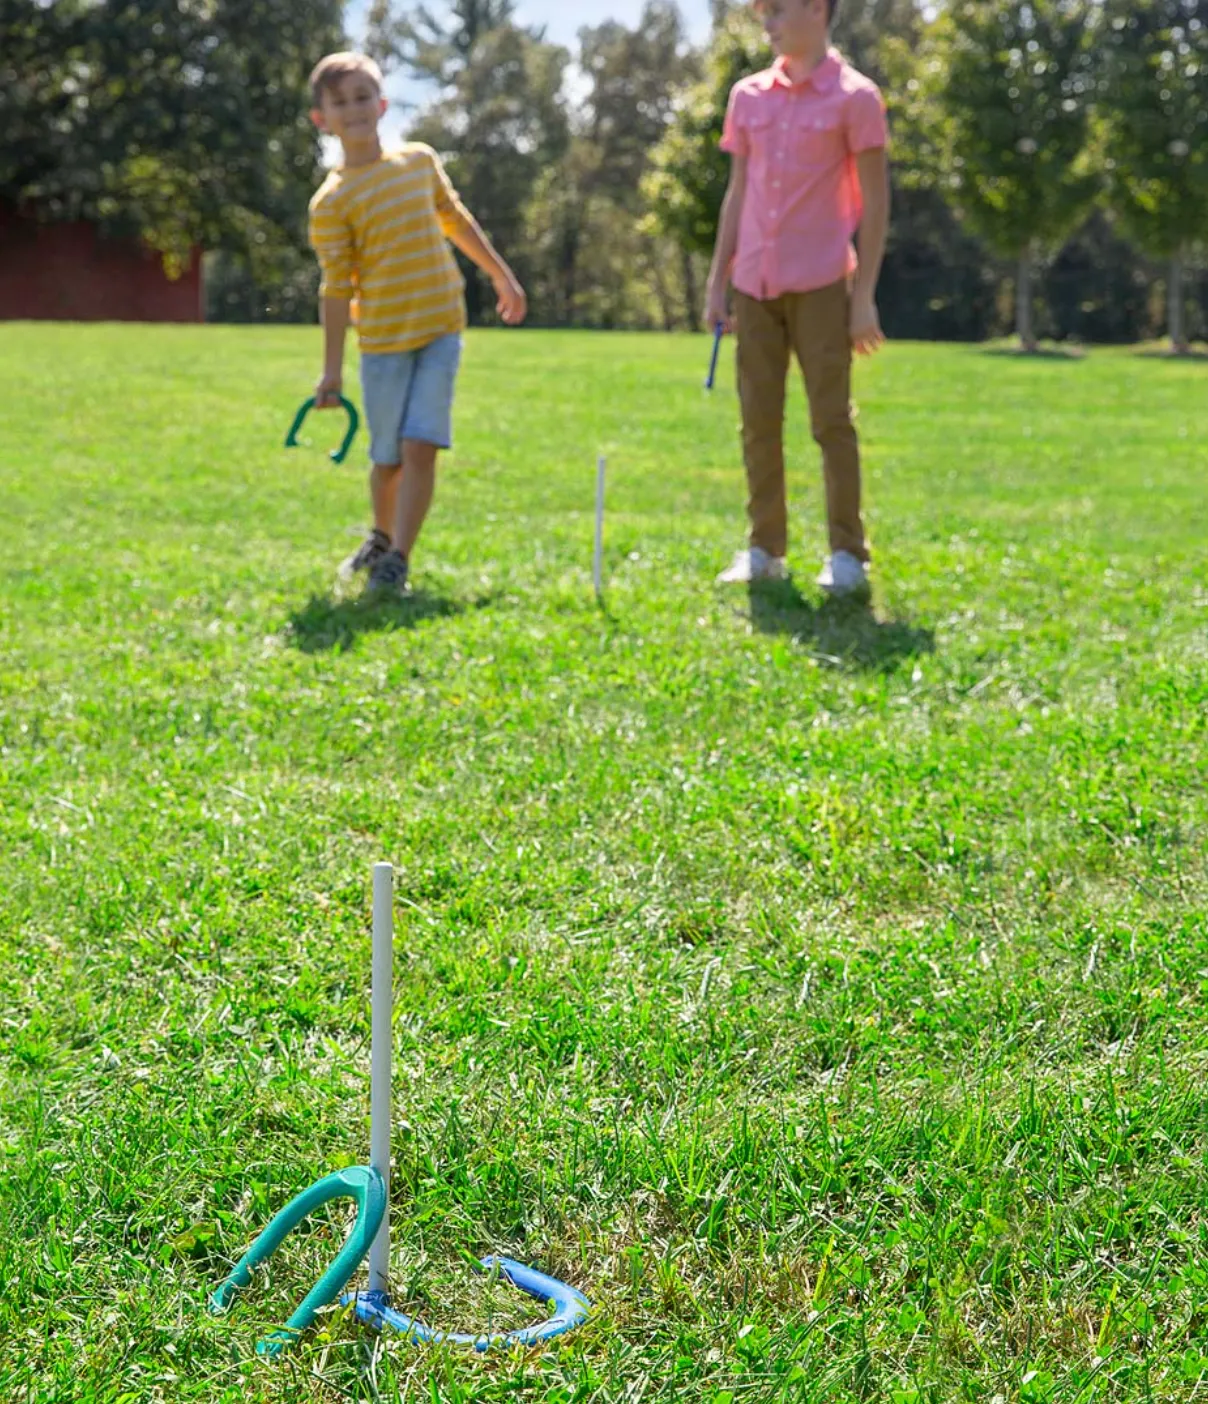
pixel 565 18
pixel 562 20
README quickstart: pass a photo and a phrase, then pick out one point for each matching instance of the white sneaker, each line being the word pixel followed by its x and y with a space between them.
pixel 755 564
pixel 843 574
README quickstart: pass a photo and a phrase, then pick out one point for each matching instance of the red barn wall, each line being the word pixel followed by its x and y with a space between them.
pixel 70 272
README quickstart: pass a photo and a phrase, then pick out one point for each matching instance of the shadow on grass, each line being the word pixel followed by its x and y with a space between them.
pixel 839 633
pixel 1195 355
pixel 1042 353
pixel 326 622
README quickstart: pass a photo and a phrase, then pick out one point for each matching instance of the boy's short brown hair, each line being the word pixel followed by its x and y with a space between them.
pixel 328 72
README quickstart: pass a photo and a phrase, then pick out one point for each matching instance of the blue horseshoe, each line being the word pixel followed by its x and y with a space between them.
pixel 570 1310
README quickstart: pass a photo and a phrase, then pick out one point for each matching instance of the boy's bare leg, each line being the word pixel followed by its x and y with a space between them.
pixel 415 491
pixel 383 489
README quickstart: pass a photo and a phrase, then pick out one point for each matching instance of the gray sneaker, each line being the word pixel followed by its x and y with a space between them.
pixel 388 575
pixel 367 554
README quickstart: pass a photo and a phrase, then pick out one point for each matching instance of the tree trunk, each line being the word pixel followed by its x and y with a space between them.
pixel 691 291
pixel 1176 309
pixel 1025 322
pixel 654 258
pixel 569 271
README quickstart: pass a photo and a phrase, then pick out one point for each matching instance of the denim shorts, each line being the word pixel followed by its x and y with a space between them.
pixel 409 395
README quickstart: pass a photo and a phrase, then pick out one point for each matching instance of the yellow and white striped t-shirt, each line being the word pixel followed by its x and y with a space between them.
pixel 379 232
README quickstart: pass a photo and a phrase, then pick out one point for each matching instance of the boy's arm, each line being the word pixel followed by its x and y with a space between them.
pixel 332 241
pixel 335 313
pixel 716 311
pixel 463 231
pixel 469 237
pixel 872 167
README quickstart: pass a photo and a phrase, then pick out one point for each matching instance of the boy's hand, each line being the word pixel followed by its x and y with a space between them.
pixel 327 391
pixel 716 311
pixel 866 333
pixel 512 304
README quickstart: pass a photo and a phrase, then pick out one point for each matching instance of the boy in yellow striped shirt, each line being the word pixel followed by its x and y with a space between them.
pixel 379 225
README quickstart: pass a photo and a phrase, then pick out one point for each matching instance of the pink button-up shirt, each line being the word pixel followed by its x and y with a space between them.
pixel 802 202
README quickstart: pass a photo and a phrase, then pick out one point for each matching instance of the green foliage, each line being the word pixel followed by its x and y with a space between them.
pixel 182 121
pixel 185 123
pixel 596 261
pixel 914 82
pixel 435 46
pixel 634 77
pixel 236 290
pixel 501 122
pixel 1096 289
pixel 1015 81
pixel 864 30
pixel 937 282
pixel 1154 104
pixel 688 173
pixel 557 188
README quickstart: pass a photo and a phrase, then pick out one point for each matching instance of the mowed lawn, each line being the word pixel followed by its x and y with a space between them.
pixel 824 993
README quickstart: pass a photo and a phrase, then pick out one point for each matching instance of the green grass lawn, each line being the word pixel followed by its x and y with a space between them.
pixel 822 992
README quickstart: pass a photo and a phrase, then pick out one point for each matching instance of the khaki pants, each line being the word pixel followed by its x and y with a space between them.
pixel 815 326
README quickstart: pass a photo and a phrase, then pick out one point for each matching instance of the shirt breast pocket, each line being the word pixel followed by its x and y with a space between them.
pixel 761 133
pixel 820 141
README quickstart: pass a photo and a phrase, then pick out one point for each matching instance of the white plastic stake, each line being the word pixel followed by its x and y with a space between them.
pixel 598 562
pixel 379 1077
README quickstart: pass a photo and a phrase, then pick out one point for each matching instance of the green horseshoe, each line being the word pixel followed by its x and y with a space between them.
pixel 337 455
pixel 359 1182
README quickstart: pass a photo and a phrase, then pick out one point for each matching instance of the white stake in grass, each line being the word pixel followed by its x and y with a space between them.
pixel 598 562
pixel 379 1075
pixel 369 1186
pixel 570 1307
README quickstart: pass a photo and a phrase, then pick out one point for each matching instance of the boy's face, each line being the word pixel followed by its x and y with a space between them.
pixel 351 108
pixel 794 27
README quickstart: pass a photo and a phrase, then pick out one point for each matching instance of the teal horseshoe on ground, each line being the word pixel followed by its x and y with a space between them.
pixel 337 455
pixel 359 1182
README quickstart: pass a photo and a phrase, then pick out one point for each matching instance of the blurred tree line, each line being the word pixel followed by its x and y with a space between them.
pixel 1050 156
pixel 181 121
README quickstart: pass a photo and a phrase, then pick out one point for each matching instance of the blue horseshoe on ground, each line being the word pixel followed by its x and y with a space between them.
pixel 571 1308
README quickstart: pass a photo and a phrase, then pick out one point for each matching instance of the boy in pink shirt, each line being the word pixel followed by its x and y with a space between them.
pixel 808 139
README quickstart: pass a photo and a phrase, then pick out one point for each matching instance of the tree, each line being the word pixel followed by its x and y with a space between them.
pixel 1015 82
pixel 937 281
pixel 634 76
pixel 686 181
pixel 181 121
pixel 1154 101
pixel 862 33
pixel 431 46
pixel 595 199
pixel 1097 289
pixel 592 264
pixel 499 124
